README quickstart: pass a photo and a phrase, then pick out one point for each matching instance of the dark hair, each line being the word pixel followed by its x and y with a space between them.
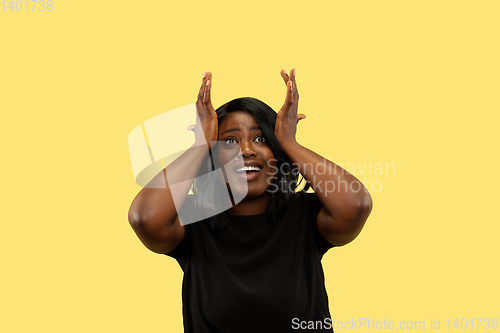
pixel 205 188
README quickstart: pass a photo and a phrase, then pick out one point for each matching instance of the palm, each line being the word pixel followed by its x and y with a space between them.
pixel 206 129
pixel 288 117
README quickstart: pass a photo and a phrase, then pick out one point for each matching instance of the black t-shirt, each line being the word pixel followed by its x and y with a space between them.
pixel 255 276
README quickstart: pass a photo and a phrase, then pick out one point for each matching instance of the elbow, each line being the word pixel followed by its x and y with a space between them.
pixel 360 212
pixel 156 236
pixel 356 204
pixel 364 204
pixel 135 219
pixel 361 199
pixel 142 217
pixel 362 209
pixel 141 223
pixel 358 207
pixel 346 224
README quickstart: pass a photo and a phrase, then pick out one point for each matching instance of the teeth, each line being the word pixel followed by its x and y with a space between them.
pixel 248 168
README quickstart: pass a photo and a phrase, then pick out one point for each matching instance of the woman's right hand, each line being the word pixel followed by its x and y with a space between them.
pixel 206 129
pixel 153 214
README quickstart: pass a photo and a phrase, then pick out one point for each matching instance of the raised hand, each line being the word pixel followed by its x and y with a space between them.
pixel 206 129
pixel 288 117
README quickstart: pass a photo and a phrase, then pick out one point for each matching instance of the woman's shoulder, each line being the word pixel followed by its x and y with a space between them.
pixel 303 198
pixel 308 205
pixel 304 206
pixel 189 212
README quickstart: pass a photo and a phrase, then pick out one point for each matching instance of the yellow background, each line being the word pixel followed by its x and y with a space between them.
pixel 414 83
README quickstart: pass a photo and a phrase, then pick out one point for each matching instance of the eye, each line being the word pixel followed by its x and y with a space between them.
pixel 230 141
pixel 260 139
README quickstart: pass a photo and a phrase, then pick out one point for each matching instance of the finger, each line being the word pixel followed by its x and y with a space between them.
pixel 208 92
pixel 191 128
pixel 285 76
pixel 206 96
pixel 206 85
pixel 289 93
pixel 293 75
pixel 292 88
pixel 202 88
pixel 288 100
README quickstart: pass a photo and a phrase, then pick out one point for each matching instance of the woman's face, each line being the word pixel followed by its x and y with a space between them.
pixel 256 165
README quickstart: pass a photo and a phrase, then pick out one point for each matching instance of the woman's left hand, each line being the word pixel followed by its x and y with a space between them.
pixel 288 118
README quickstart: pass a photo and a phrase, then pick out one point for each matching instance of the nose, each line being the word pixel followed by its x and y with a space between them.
pixel 247 149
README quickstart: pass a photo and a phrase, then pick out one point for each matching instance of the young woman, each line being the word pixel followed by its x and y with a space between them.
pixel 255 267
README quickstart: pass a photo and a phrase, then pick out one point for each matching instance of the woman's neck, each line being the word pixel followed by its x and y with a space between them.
pixel 252 206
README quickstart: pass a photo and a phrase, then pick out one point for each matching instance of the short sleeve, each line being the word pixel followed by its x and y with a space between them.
pixel 314 205
pixel 180 252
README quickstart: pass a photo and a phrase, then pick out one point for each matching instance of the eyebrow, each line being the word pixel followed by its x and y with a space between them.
pixel 238 130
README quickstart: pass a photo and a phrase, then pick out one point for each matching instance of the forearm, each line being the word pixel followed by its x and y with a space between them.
pixel 342 194
pixel 153 208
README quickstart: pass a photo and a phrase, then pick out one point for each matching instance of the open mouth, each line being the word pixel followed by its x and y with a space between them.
pixel 248 172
